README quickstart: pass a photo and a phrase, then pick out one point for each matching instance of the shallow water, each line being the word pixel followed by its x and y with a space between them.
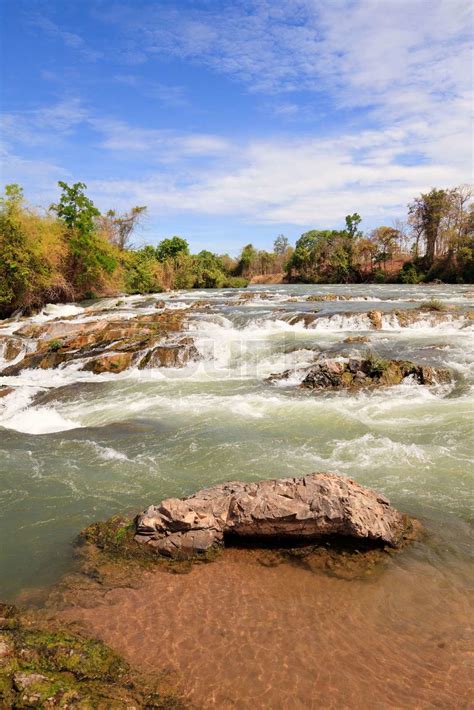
pixel 239 635
pixel 98 444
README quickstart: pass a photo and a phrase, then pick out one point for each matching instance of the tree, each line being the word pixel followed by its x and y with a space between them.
pixel 321 255
pixel 247 259
pixel 280 245
pixel 425 214
pixel 352 225
pixel 90 258
pixel 386 239
pixel 119 228
pixel 171 248
pixel 353 233
pixel 13 199
pixel 209 271
pixel 75 209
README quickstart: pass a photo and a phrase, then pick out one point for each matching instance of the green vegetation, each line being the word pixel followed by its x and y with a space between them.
pixel 374 365
pixel 436 242
pixel 55 345
pixel 433 305
pixel 44 665
pixel 72 251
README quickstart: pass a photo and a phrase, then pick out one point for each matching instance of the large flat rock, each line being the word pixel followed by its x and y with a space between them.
pixel 286 509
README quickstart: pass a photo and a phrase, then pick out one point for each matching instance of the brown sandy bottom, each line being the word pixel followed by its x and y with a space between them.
pixel 241 635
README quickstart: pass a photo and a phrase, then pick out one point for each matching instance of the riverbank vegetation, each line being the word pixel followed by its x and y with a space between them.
pixel 72 252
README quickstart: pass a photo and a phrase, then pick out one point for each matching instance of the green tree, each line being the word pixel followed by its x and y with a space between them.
pixel 353 233
pixel 247 259
pixel 90 257
pixel 171 248
pixel 75 209
pixel 208 270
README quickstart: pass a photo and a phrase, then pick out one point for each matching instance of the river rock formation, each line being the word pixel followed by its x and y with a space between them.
pixel 364 372
pixel 287 509
pixel 106 345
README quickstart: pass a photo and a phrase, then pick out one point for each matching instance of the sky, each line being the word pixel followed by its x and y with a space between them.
pixel 235 121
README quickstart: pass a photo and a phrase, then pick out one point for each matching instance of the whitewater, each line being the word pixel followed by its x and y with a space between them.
pixel 76 447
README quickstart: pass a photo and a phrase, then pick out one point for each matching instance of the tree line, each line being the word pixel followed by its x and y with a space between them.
pixel 72 252
pixel 436 241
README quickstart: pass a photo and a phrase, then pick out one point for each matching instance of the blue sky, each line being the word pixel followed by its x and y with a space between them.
pixel 236 121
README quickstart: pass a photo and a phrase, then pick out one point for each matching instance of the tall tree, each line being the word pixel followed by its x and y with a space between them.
pixel 280 245
pixel 119 228
pixel 425 214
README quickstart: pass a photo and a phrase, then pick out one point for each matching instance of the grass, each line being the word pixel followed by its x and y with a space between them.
pixel 376 365
pixel 433 304
pixel 55 345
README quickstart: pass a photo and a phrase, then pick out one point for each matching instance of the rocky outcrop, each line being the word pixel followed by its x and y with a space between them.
pixel 5 390
pixel 371 371
pixel 288 509
pixel 108 345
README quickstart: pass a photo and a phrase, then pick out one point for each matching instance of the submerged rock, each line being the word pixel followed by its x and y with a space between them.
pixel 273 511
pixel 45 665
pixel 370 371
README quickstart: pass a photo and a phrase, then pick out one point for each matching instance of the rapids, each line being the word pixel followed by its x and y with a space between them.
pixel 77 447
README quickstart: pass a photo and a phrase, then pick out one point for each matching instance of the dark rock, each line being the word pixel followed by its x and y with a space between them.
pixel 365 372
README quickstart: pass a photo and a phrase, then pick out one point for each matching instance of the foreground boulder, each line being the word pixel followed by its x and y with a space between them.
pixel 370 371
pixel 299 510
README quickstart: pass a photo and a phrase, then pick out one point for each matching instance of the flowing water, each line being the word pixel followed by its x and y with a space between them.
pixel 77 447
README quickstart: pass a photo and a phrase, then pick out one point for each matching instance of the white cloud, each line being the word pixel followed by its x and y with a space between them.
pixel 401 66
pixel 43 125
pixel 70 39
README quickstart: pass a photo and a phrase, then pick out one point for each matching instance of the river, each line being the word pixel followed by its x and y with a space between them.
pixel 94 445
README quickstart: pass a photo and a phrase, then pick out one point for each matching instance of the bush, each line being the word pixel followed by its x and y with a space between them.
pixel 409 274
pixel 433 305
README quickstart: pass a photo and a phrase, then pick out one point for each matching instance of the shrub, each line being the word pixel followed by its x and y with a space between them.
pixel 433 305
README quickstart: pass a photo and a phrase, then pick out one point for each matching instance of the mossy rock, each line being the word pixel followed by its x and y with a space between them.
pixel 46 666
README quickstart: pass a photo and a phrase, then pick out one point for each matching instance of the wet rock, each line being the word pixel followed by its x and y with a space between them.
pixel 296 509
pixel 357 339
pixel 108 345
pixel 329 297
pixel 11 347
pixel 47 665
pixel 371 371
pixel 116 362
pixel 305 318
pixel 375 318
pixel 176 354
